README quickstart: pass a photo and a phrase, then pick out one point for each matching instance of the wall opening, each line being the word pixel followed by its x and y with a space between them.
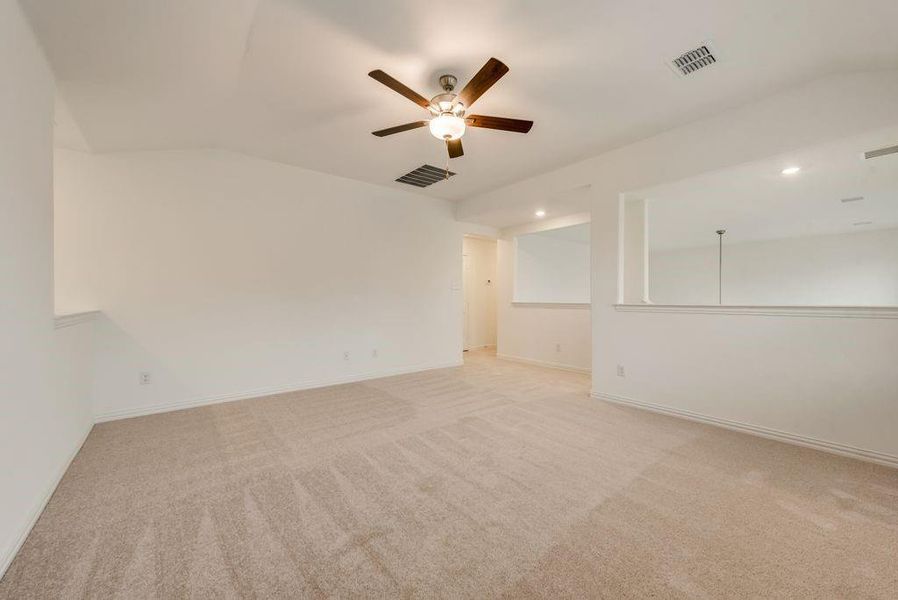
pixel 479 284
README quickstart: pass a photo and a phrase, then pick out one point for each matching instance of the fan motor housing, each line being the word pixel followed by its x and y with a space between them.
pixel 447 103
pixel 447 82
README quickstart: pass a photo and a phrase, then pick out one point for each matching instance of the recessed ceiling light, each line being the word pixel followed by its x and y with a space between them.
pixel 540 213
pixel 791 170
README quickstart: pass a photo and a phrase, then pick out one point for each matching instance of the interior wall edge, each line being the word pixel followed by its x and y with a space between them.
pixel 127 413
pixel 569 220
pixel 41 503
pixel 880 458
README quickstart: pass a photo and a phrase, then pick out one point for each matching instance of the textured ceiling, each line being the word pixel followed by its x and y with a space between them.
pixel 286 79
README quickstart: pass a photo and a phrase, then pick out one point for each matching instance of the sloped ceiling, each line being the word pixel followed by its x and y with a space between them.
pixel 286 80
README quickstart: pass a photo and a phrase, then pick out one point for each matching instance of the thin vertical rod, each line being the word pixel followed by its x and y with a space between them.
pixel 720 233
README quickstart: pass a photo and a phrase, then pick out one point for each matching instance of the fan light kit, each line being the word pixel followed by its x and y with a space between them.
pixel 447 127
pixel 447 110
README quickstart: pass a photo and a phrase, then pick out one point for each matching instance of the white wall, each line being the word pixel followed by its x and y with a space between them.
pixel 556 335
pixel 480 291
pixel 635 252
pixel 849 269
pixel 225 276
pixel 551 266
pixel 831 379
pixel 43 420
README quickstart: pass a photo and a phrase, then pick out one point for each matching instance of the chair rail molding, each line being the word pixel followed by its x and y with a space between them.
pixel 841 312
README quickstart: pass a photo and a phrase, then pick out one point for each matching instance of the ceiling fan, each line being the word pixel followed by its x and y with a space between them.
pixel 448 120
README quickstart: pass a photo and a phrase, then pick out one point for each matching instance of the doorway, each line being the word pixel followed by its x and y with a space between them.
pixel 479 284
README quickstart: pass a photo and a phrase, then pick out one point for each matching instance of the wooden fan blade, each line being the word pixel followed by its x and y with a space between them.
pixel 489 74
pixel 399 128
pixel 399 87
pixel 505 124
pixel 454 147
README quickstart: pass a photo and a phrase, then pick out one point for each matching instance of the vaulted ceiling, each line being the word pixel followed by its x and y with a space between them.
pixel 286 80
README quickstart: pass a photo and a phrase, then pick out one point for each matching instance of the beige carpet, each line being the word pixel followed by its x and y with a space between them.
pixel 490 480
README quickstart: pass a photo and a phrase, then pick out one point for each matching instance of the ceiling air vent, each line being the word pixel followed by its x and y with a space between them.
pixel 425 175
pixel 690 62
pixel 881 152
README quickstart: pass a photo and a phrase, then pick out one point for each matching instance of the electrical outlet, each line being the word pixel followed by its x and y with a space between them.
pixel 346 356
pixel 620 371
pixel 144 378
pixel 557 347
pixel 374 353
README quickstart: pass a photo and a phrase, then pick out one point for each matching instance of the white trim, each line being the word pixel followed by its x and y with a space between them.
pixel 543 363
pixel 766 432
pixel 842 312
pixel 621 227
pixel 41 504
pixel 126 413
pixel 580 305
pixel 61 321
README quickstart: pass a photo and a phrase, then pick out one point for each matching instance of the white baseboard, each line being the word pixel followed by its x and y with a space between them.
pixel 126 413
pixel 39 506
pixel 766 432
pixel 61 321
pixel 543 363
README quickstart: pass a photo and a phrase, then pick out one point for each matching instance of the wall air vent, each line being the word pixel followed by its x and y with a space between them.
pixel 881 152
pixel 425 175
pixel 690 62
